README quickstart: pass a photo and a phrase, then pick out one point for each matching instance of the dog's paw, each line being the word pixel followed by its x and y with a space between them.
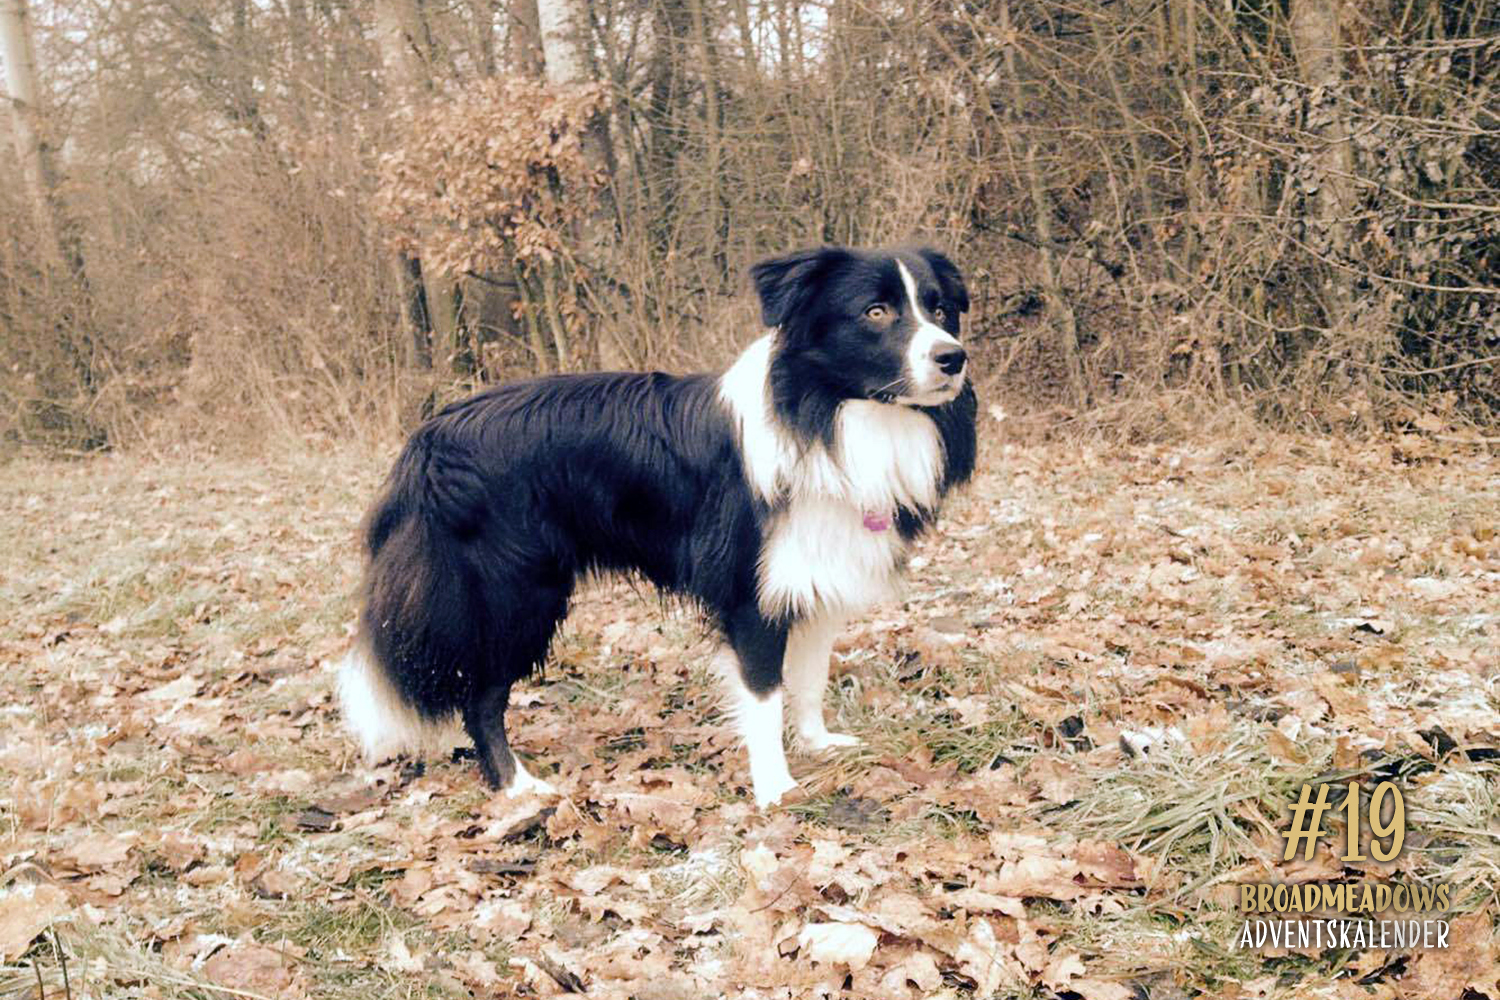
pixel 525 783
pixel 774 792
pixel 827 741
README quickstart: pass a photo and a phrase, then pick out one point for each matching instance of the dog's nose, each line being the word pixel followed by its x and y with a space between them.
pixel 949 358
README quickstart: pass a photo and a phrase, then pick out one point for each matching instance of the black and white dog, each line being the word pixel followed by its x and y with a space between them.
pixel 782 496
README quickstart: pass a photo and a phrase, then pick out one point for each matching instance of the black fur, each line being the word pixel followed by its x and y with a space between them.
pixel 498 504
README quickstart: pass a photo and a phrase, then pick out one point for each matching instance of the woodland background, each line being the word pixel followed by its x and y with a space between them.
pixel 320 217
pixel 1213 246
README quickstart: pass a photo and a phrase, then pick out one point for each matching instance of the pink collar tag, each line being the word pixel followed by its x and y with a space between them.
pixel 877 521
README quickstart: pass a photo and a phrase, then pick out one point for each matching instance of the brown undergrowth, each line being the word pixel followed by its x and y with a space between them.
pixel 1083 728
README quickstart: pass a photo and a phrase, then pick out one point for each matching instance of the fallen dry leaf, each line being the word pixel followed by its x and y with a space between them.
pixel 26 910
pixel 99 851
pixel 253 968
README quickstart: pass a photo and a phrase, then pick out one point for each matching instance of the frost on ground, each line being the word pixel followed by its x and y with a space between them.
pixel 1112 673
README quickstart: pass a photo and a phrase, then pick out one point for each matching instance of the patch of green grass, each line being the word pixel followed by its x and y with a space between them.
pixel 352 926
pixel 980 745
pixel 268 814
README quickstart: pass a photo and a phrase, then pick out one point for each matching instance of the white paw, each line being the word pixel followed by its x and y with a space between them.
pixel 827 741
pixel 769 791
pixel 525 783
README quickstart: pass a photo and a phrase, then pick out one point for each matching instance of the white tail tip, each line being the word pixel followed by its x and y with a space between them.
pixel 383 722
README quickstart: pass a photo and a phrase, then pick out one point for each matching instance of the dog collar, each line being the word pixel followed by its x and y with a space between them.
pixel 877 520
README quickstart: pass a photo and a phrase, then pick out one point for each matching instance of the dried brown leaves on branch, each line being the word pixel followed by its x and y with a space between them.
pixel 492 174
pixel 1289 208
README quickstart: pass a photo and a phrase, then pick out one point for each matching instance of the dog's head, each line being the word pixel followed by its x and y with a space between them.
pixel 869 324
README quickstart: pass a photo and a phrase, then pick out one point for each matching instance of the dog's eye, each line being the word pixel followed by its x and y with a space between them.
pixel 879 312
pixel 940 314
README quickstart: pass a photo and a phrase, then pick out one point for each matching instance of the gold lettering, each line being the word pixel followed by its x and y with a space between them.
pixel 1334 896
pixel 1395 829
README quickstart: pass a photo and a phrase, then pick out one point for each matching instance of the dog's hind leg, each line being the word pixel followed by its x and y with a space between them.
pixel 517 644
pixel 808 649
pixel 484 719
pixel 753 681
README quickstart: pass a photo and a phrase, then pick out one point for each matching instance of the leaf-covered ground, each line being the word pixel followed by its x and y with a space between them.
pixel 1082 730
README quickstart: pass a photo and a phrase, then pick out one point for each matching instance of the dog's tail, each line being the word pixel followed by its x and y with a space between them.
pixel 422 639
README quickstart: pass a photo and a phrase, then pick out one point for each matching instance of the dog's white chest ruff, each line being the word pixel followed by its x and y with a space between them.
pixel 831 544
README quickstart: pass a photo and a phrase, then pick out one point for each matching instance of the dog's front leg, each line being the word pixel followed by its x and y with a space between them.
pixel 808 649
pixel 753 681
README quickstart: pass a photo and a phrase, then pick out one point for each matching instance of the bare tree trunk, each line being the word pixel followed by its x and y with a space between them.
pixel 565 27
pixel 524 42
pixel 669 26
pixel 483 14
pixel 62 246
pixel 568 61
pixel 747 36
pixel 1183 15
pixel 432 302
pixel 784 38
pixel 26 127
pixel 1063 320
pixel 718 207
pixel 1315 38
pixel 561 25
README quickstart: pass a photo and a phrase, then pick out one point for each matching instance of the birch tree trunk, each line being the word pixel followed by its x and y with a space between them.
pixel 561 23
pixel 26 126
pixel 564 27
pixel 62 247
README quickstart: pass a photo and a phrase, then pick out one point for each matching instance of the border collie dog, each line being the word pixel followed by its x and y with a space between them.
pixel 782 496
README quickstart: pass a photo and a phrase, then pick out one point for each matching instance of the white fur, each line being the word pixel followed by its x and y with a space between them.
pixel 384 723
pixel 805 676
pixel 765 449
pixel 525 783
pixel 884 454
pixel 931 386
pixel 387 726
pixel 759 722
pixel 819 557
pixel 888 454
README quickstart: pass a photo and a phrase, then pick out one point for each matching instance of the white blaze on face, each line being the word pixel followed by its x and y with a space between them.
pixel 929 384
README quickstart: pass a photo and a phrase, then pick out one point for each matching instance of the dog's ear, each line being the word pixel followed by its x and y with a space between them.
pixel 952 282
pixel 785 284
